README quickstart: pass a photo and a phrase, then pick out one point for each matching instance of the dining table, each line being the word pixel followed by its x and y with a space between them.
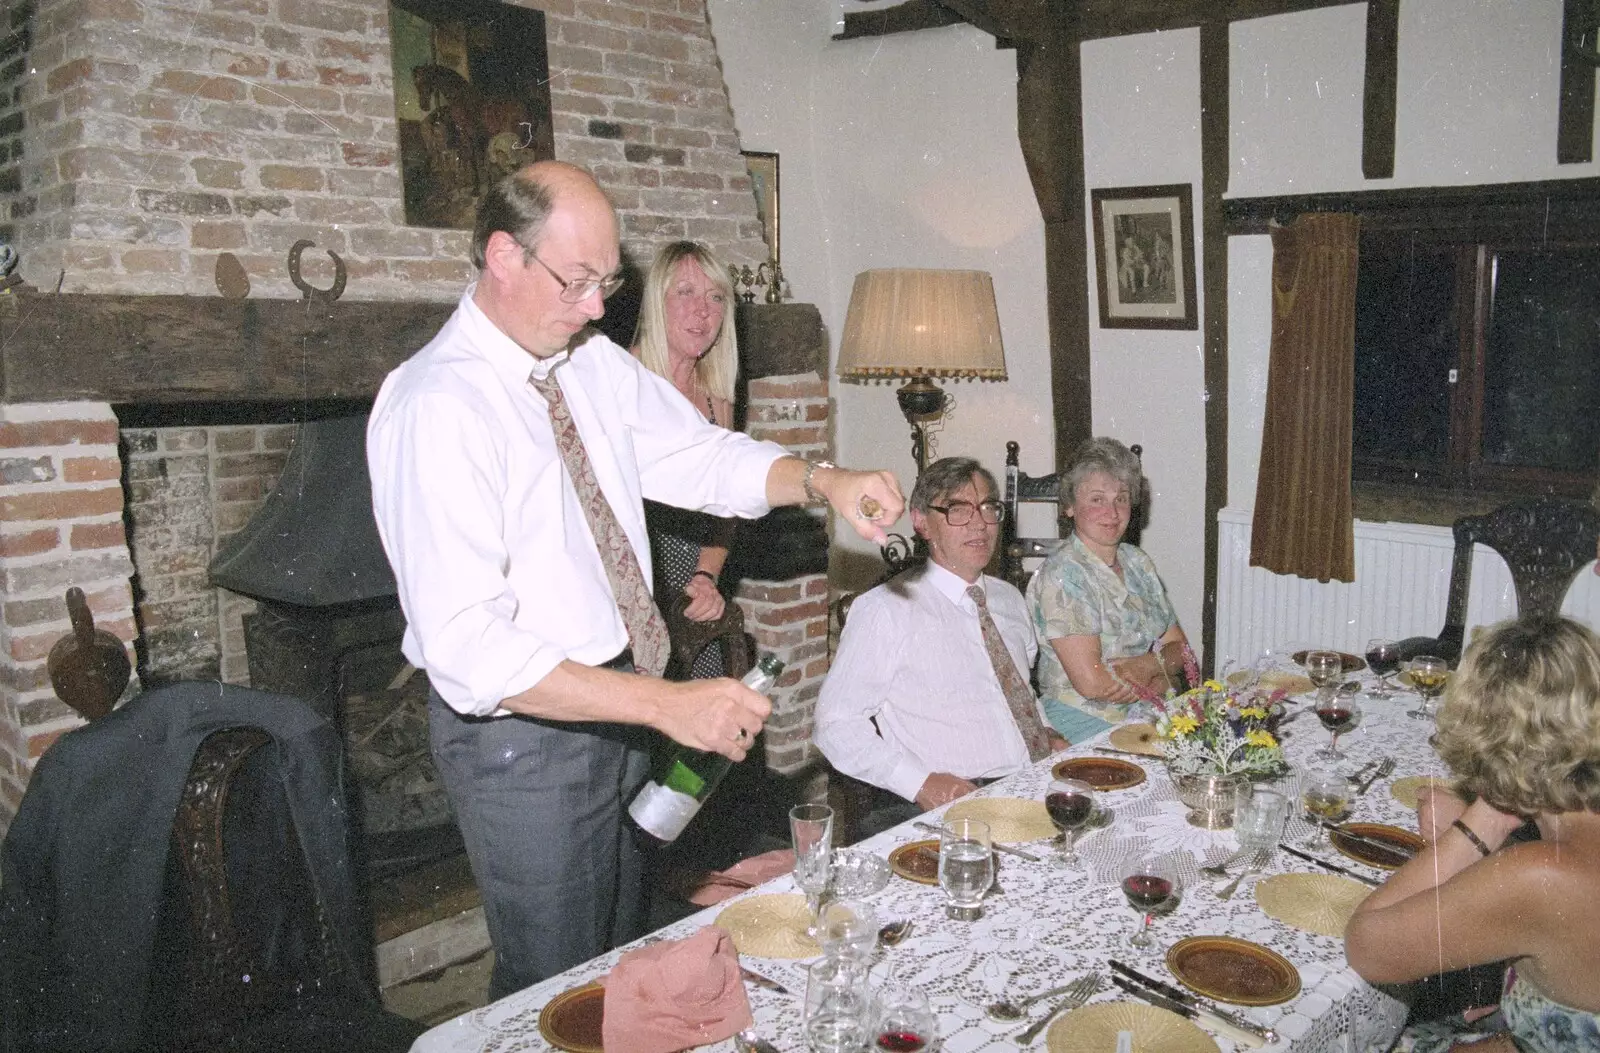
pixel 1042 926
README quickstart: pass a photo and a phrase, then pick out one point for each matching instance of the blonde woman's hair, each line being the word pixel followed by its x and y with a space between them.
pixel 1520 723
pixel 718 368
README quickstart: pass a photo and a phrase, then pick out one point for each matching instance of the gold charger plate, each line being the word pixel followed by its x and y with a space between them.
pixel 1010 819
pixel 1407 789
pixel 917 861
pixel 1351 663
pixel 1093 1029
pixel 1137 738
pixel 1289 683
pixel 572 1020
pixel 1319 903
pixel 1370 854
pixel 1103 773
pixel 1233 970
pixel 772 926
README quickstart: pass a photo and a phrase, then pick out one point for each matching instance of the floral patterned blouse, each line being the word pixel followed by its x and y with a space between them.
pixel 1076 594
pixel 1540 1025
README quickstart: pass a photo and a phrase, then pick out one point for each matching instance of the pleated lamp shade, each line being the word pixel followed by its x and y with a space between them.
pixel 904 322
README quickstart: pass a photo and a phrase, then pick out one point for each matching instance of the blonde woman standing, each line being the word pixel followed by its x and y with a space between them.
pixel 685 334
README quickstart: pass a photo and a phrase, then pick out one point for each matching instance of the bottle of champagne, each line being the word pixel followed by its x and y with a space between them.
pixel 678 788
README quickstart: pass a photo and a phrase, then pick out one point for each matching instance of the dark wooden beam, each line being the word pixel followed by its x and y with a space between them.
pixel 174 349
pixel 1214 167
pixel 1548 209
pixel 1115 18
pixel 903 18
pixel 1580 28
pixel 1382 76
pixel 1050 129
pixel 1010 22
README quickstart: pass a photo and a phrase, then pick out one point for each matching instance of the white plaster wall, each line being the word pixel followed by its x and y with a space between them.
pixel 899 151
pixel 1141 126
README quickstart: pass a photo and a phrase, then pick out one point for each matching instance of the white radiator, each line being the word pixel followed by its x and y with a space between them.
pixel 1402 581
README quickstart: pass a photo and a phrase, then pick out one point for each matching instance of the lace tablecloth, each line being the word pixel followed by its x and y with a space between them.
pixel 1047 925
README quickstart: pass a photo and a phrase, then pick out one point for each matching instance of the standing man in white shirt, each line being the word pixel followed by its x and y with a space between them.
pixel 924 700
pixel 510 459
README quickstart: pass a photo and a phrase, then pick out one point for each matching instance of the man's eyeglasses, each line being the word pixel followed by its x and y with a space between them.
pixel 959 513
pixel 578 290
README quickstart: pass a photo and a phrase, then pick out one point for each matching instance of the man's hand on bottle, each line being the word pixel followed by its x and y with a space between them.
pixel 719 716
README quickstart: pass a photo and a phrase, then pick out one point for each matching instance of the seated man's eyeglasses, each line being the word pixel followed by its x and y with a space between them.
pixel 578 290
pixel 959 513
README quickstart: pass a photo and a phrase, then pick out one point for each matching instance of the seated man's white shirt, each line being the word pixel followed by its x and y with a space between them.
pixel 499 576
pixel 912 656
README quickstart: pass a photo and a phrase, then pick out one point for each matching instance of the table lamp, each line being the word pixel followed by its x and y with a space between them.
pixel 921 324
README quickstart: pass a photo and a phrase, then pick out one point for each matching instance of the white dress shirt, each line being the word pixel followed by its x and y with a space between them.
pixel 499 576
pixel 912 656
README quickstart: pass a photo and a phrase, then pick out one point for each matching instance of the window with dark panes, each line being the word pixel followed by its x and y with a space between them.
pixel 1478 366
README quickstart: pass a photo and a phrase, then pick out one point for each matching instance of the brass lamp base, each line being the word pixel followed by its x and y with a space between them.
pixel 922 402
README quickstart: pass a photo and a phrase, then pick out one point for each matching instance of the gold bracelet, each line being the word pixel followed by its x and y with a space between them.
pixel 1470 836
pixel 811 491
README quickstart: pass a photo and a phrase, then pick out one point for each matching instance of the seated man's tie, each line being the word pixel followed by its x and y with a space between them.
pixel 1019 696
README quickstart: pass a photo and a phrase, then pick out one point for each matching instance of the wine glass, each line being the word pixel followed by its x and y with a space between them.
pixel 838 1010
pixel 1324 668
pixel 903 1019
pixel 1383 658
pixel 966 867
pixel 1327 797
pixel 811 831
pixel 1339 713
pixel 1071 806
pixel 1150 883
pixel 848 928
pixel 1428 676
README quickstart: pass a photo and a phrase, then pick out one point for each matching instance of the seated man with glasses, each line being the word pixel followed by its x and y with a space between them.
pixel 928 696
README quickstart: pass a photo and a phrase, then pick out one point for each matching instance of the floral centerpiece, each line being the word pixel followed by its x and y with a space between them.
pixel 1215 737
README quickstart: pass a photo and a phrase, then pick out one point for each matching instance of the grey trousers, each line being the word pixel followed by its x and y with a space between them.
pixel 541 807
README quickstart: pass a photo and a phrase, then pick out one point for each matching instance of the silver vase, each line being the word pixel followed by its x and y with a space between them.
pixel 1209 798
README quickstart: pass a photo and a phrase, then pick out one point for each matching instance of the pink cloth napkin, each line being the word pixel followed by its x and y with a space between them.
pixel 719 885
pixel 675 994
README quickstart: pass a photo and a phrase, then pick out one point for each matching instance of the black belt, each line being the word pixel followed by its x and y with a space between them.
pixel 622 663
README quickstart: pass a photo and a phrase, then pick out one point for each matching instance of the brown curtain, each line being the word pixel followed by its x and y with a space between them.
pixel 1302 519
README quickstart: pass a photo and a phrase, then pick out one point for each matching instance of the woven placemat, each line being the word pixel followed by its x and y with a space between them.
pixel 1010 819
pixel 1319 903
pixel 1093 1029
pixel 770 926
pixel 1291 683
pixel 1137 738
pixel 1406 790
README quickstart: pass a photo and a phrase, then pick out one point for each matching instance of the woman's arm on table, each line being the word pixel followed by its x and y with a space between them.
pixel 1159 669
pixel 1090 676
pixel 1451 907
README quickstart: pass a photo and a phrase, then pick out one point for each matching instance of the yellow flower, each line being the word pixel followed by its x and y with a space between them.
pixel 1259 737
pixel 1213 685
pixel 1253 713
pixel 1183 724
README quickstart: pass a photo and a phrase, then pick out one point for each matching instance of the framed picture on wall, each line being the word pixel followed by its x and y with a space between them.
pixel 1144 257
pixel 472 100
pixel 764 182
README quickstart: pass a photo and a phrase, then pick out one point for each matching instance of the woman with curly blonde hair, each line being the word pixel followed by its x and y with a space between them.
pixel 1520 730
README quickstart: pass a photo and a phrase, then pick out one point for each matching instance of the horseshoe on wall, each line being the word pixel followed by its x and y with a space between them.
pixel 309 291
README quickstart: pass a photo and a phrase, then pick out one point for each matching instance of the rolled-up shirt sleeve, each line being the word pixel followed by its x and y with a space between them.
pixel 437 478
pixel 857 687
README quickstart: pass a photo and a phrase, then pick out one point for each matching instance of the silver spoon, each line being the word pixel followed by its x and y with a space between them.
pixel 1006 1010
pixel 894 932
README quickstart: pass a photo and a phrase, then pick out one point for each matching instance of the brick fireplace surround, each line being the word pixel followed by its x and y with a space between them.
pixel 141 138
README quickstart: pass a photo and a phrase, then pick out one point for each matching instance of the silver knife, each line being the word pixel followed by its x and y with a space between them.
pixel 1266 1034
pixel 1123 753
pixel 762 981
pixel 1249 1037
pixel 1325 865
pixel 1391 847
pixel 1007 849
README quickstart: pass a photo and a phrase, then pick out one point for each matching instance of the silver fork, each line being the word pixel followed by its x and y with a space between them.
pixel 1082 990
pixel 1257 861
pixel 1382 771
pixel 1221 869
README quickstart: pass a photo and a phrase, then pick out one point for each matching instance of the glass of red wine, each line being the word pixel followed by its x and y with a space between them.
pixel 903 1021
pixel 1339 713
pixel 1149 882
pixel 1383 658
pixel 1071 806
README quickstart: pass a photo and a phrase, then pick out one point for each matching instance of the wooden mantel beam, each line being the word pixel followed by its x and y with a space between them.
pixel 152 350
pixel 902 18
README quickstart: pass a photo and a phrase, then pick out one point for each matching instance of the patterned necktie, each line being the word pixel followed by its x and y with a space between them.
pixel 1019 696
pixel 647 632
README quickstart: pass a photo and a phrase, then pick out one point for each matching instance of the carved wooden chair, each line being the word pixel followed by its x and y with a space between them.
pixel 690 638
pixel 1545 541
